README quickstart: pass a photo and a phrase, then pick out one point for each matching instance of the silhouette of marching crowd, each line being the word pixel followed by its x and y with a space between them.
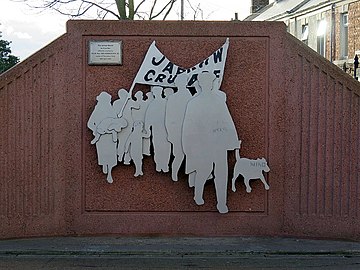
pixel 197 128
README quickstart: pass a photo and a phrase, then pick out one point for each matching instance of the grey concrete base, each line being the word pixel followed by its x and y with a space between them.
pixel 165 246
pixel 177 253
pixel 187 262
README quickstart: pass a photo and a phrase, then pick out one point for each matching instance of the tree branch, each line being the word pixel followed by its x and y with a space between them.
pixel 171 3
pixel 138 6
pixel 170 8
pixel 152 8
pixel 78 8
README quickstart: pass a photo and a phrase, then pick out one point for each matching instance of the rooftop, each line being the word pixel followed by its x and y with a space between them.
pixel 285 8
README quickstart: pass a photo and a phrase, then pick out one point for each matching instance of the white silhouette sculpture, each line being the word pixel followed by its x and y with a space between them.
pixel 249 169
pixel 134 143
pixel 208 133
pixel 175 113
pixel 123 107
pixel 103 122
pixel 155 125
pixel 146 141
pixel 197 128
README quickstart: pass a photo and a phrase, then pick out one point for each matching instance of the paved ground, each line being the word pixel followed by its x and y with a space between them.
pixel 177 253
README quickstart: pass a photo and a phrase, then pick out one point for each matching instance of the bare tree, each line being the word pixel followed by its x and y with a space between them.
pixel 101 9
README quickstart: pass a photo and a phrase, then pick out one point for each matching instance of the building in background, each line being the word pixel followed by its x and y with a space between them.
pixel 257 5
pixel 332 28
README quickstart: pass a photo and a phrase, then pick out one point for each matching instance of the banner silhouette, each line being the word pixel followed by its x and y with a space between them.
pixel 157 69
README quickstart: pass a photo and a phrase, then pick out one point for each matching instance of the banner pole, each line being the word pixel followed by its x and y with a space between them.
pixel 128 97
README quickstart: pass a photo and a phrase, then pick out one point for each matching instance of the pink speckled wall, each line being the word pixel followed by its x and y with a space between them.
pixel 289 106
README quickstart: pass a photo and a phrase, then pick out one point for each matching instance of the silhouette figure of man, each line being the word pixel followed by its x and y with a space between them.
pixel 208 133
pixel 175 113
pixel 155 120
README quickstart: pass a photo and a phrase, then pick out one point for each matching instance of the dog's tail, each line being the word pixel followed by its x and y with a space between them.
pixel 237 151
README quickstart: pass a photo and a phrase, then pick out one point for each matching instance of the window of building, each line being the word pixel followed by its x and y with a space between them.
pixel 344 35
pixel 321 31
pixel 305 33
pixel 321 37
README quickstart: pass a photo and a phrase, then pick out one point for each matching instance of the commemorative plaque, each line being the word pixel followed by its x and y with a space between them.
pixel 105 52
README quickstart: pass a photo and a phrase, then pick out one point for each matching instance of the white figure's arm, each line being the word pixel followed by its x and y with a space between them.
pixel 147 126
pixel 91 124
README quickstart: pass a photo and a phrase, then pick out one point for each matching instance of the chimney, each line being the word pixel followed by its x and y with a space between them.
pixel 256 5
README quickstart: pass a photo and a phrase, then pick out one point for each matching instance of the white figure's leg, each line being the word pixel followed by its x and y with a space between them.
pixel 174 176
pixel 200 179
pixel 247 184
pixel 104 168
pixel 146 146
pixel 165 157
pixel 127 158
pixel 120 150
pixel 233 187
pixel 262 178
pixel 156 158
pixel 138 167
pixel 122 137
pixel 109 176
pixel 191 179
pixel 221 180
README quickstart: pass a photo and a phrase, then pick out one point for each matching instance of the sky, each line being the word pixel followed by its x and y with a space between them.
pixel 31 29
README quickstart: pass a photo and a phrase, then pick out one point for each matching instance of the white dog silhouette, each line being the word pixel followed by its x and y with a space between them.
pixel 249 169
